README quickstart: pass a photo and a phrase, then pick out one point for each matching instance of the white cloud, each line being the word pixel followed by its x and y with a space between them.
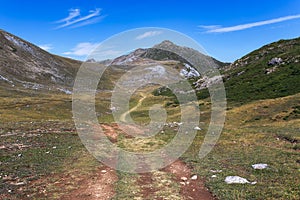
pixel 88 22
pixel 46 47
pixel 82 49
pixel 148 34
pixel 75 20
pixel 219 29
pixel 210 27
pixel 72 14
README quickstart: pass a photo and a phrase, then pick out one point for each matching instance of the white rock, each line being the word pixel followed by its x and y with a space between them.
pixel 214 176
pixel 103 171
pixel 197 128
pixel 194 177
pixel 235 179
pixel 260 166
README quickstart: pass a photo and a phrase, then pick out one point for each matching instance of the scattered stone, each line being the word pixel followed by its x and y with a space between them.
pixel 235 179
pixel 197 128
pixel 214 176
pixel 182 183
pixel 54 147
pixel 19 155
pixel 47 152
pixel 194 177
pixel 18 184
pixel 260 166
pixel 275 61
pixel 271 70
pixel 184 178
pixel 103 171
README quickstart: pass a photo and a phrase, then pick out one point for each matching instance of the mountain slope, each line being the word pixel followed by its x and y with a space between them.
pixel 167 51
pixel 24 64
pixel 269 72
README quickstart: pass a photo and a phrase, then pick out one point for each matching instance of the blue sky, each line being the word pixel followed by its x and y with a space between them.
pixel 226 29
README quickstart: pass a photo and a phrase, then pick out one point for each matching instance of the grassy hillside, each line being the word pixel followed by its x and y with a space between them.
pixel 255 77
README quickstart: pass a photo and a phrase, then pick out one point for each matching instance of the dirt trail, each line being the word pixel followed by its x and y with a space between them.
pixel 192 187
pixel 99 187
pixel 102 185
pixel 123 116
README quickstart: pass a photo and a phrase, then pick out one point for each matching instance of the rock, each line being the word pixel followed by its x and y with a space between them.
pixel 18 183
pixel 275 61
pixel 235 179
pixel 197 128
pixel 216 171
pixel 260 166
pixel 194 177
pixel 184 178
pixel 206 82
pixel 214 176
pixel 103 171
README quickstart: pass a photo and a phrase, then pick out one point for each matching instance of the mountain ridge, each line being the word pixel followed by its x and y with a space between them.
pixel 23 63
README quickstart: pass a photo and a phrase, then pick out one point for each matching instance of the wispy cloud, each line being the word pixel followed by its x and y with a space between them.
pixel 82 49
pixel 72 14
pixel 220 29
pixel 148 34
pixel 209 27
pixel 46 47
pixel 75 19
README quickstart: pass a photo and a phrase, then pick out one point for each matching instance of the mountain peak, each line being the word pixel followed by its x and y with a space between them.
pixel 164 44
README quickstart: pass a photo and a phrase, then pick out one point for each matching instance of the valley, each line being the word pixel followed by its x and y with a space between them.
pixel 43 157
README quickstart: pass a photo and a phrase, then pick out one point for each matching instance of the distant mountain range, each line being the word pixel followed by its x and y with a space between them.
pixel 269 72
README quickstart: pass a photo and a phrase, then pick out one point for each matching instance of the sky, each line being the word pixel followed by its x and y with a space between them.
pixel 227 30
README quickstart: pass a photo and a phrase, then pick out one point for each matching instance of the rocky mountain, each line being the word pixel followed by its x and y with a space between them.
pixel 168 53
pixel 26 65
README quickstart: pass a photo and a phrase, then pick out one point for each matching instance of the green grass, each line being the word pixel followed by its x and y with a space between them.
pixel 256 132
pixel 264 131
